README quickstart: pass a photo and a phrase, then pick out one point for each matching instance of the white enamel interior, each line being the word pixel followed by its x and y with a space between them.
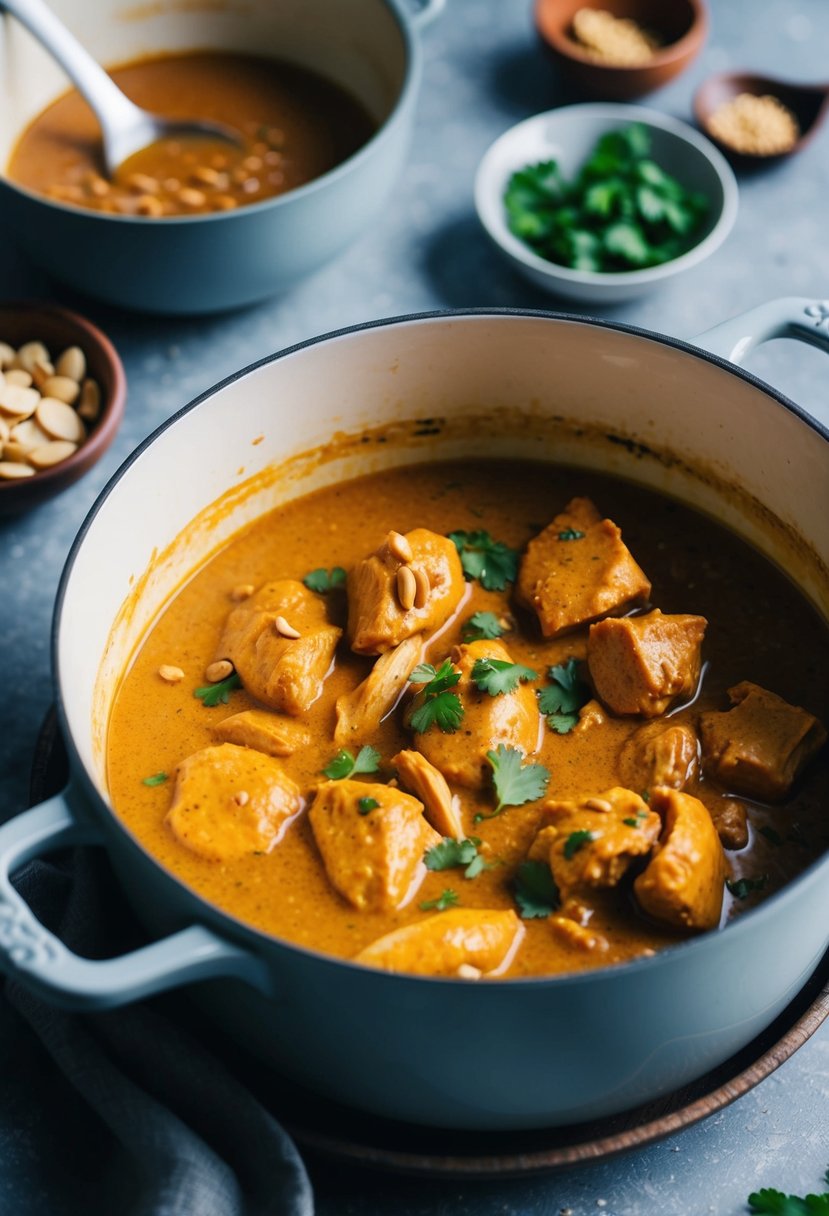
pixel 366 54
pixel 527 368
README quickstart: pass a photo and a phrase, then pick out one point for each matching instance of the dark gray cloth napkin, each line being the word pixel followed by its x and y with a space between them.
pixel 179 1134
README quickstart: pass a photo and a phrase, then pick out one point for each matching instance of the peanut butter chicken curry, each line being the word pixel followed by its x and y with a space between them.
pixel 480 719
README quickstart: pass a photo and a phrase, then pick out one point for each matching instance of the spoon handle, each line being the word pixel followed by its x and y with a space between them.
pixel 114 111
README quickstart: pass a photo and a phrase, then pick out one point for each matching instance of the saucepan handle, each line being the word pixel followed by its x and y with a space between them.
pixel 30 953
pixel 791 317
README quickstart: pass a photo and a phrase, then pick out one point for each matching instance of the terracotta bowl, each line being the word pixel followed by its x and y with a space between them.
pixel 58 328
pixel 682 26
pixel 808 103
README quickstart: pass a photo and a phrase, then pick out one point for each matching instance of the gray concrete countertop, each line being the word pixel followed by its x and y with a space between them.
pixel 484 71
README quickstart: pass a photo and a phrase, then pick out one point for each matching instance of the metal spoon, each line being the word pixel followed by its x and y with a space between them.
pixel 125 127
pixel 808 102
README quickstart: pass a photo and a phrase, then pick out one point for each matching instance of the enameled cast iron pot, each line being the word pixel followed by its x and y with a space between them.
pixel 204 263
pixel 494 1054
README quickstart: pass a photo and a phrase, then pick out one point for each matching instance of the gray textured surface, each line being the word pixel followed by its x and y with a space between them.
pixel 484 71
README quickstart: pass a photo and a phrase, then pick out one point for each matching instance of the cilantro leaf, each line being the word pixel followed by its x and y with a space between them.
pixel 446 899
pixel 439 707
pixel 346 764
pixel 741 888
pixel 515 782
pixel 489 561
pixel 451 853
pixel 366 805
pixel 482 626
pixel 577 840
pixel 571 534
pixel 323 580
pixel 561 700
pixel 535 890
pixel 497 676
pixel 155 779
pixel 218 694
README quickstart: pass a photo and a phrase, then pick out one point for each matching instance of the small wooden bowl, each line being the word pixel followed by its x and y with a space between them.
pixel 682 26
pixel 808 103
pixel 58 328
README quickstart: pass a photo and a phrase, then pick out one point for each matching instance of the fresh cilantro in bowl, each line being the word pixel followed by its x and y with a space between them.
pixel 621 212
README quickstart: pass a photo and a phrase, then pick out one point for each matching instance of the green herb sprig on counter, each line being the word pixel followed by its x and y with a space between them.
pixel 769 1202
pixel 212 695
pixel 482 626
pixel 489 561
pixel 620 212
pixel 535 890
pixel 346 764
pixel 323 580
pixel 497 676
pixel 440 706
pixel 562 699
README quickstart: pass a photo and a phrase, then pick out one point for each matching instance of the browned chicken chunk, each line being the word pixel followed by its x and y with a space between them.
pixel 731 821
pixel 229 801
pixel 579 570
pixel 577 937
pixel 682 885
pixel 592 841
pixel 273 734
pixel 411 584
pixel 510 718
pixel 759 747
pixel 281 644
pixel 468 942
pixel 659 753
pixel 641 664
pixel 361 711
pixel 372 839
pixel 442 809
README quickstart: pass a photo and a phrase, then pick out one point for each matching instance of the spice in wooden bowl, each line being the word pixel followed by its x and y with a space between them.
pixel 615 41
pixel 754 125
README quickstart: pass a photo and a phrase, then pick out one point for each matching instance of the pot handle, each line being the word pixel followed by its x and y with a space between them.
pixel 791 317
pixel 33 955
pixel 423 12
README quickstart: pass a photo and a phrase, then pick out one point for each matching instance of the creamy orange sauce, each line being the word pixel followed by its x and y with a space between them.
pixel 759 628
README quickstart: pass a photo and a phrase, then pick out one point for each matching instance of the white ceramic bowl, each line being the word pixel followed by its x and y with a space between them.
pixel 568 135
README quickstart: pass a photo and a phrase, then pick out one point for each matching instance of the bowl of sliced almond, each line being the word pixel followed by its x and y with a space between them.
pixel 62 394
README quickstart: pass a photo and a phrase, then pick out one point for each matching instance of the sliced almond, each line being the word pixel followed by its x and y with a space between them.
pixel 18 402
pixel 170 674
pixel 72 363
pixel 59 420
pixel 13 470
pixel 218 671
pixel 41 373
pixel 598 804
pixel 7 355
pixel 399 546
pixel 16 375
pixel 29 354
pixel 52 453
pixel 61 387
pixel 90 404
pixel 16 452
pixel 28 434
pixel 285 628
pixel 422 588
pixel 4 429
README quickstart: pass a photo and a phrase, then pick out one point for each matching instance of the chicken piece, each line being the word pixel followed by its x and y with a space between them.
pixel 449 943
pixel 659 753
pixel 273 734
pixel 282 671
pixel 590 715
pixel 229 801
pixel 361 711
pixel 578 570
pixel 510 718
pixel 373 855
pixel 577 937
pixel 761 746
pixel 682 885
pixel 731 821
pixel 429 785
pixel 591 842
pixel 380 611
pixel 641 664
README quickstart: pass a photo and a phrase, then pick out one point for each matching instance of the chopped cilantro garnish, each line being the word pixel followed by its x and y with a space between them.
pixel 218 694
pixel 535 890
pixel 561 700
pixel 497 676
pixel 323 580
pixel 576 841
pixel 515 782
pixel 446 899
pixel 450 853
pixel 156 779
pixel 439 707
pixel 571 534
pixel 741 888
pixel 482 626
pixel 490 561
pixel 346 764
pixel 365 805
pixel 632 823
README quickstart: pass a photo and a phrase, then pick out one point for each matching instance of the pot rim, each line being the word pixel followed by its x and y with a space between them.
pixel 225 922
pixel 408 90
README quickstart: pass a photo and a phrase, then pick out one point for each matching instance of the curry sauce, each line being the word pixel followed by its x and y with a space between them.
pixel 759 629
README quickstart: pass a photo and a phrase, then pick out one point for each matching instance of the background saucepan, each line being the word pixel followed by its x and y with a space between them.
pixel 204 263
pixel 543 1051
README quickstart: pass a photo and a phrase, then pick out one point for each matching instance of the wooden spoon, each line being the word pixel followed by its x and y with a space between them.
pixel 808 102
